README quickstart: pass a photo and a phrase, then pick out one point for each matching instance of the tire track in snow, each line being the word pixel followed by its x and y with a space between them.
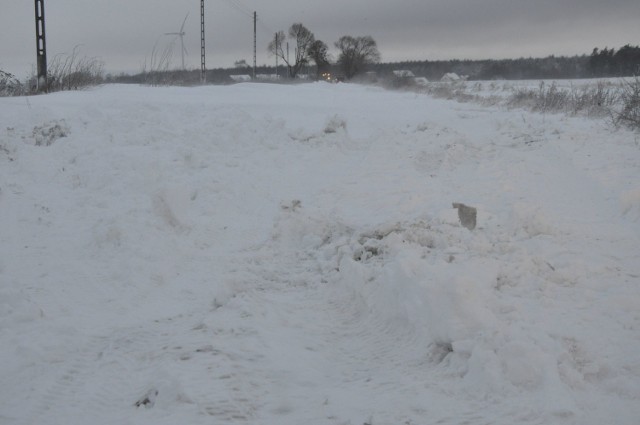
pixel 69 390
pixel 172 359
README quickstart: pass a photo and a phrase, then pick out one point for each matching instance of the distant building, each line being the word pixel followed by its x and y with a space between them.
pixel 403 73
pixel 242 78
pixel 268 77
pixel 452 77
pixel 405 77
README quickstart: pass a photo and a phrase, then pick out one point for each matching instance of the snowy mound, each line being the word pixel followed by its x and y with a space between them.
pixel 260 254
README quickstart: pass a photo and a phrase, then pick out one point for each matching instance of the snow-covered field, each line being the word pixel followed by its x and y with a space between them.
pixel 268 254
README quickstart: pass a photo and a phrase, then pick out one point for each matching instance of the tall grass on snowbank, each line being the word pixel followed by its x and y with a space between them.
pixel 618 100
pixel 591 100
pixel 156 70
pixel 74 71
pixel 64 72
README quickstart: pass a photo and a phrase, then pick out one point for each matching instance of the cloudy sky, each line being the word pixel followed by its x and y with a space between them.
pixel 122 33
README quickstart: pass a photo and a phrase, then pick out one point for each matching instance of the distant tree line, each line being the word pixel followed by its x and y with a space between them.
pixel 356 55
pixel 624 62
pixel 609 62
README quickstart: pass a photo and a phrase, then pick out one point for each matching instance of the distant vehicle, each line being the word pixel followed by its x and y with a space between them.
pixel 326 76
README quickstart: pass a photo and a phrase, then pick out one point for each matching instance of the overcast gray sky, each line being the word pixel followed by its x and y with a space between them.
pixel 122 33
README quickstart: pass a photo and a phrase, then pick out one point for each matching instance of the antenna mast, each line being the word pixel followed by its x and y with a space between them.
pixel 41 46
pixel 203 69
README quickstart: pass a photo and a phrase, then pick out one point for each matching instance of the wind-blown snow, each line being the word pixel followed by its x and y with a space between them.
pixel 268 254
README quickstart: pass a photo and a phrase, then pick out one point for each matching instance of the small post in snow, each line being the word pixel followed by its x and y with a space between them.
pixel 467 215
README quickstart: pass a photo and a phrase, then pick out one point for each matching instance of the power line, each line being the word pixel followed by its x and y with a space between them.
pixel 265 27
pixel 245 10
pixel 240 8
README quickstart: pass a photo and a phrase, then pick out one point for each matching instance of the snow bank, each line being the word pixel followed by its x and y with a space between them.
pixel 482 309
pixel 289 254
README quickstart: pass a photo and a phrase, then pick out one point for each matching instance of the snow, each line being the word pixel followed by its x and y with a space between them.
pixel 273 254
pixel 241 78
pixel 451 77
pixel 403 73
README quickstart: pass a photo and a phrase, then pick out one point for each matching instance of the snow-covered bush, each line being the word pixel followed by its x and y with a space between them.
pixel 456 90
pixel 47 134
pixel 9 85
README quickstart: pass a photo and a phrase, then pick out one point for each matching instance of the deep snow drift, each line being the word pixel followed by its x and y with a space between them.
pixel 266 254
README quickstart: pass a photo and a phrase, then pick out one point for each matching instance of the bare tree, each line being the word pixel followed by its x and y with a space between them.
pixel 301 39
pixel 319 53
pixel 356 53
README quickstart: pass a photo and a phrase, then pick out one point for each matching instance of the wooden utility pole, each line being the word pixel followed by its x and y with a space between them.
pixel 41 45
pixel 277 47
pixel 203 68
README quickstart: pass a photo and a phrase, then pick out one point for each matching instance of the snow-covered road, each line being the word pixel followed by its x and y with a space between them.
pixel 271 254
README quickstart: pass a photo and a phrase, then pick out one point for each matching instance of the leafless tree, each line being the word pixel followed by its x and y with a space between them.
pixel 356 53
pixel 319 53
pixel 301 39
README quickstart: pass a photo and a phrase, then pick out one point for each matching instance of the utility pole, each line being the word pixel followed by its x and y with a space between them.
pixel 203 68
pixel 277 47
pixel 255 38
pixel 288 66
pixel 41 45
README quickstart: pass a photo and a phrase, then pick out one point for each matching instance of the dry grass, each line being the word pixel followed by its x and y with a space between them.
pixel 73 72
pixel 628 113
pixel 619 101
pixel 591 100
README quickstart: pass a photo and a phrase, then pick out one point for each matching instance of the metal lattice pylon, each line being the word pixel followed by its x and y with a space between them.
pixel 41 46
pixel 203 68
